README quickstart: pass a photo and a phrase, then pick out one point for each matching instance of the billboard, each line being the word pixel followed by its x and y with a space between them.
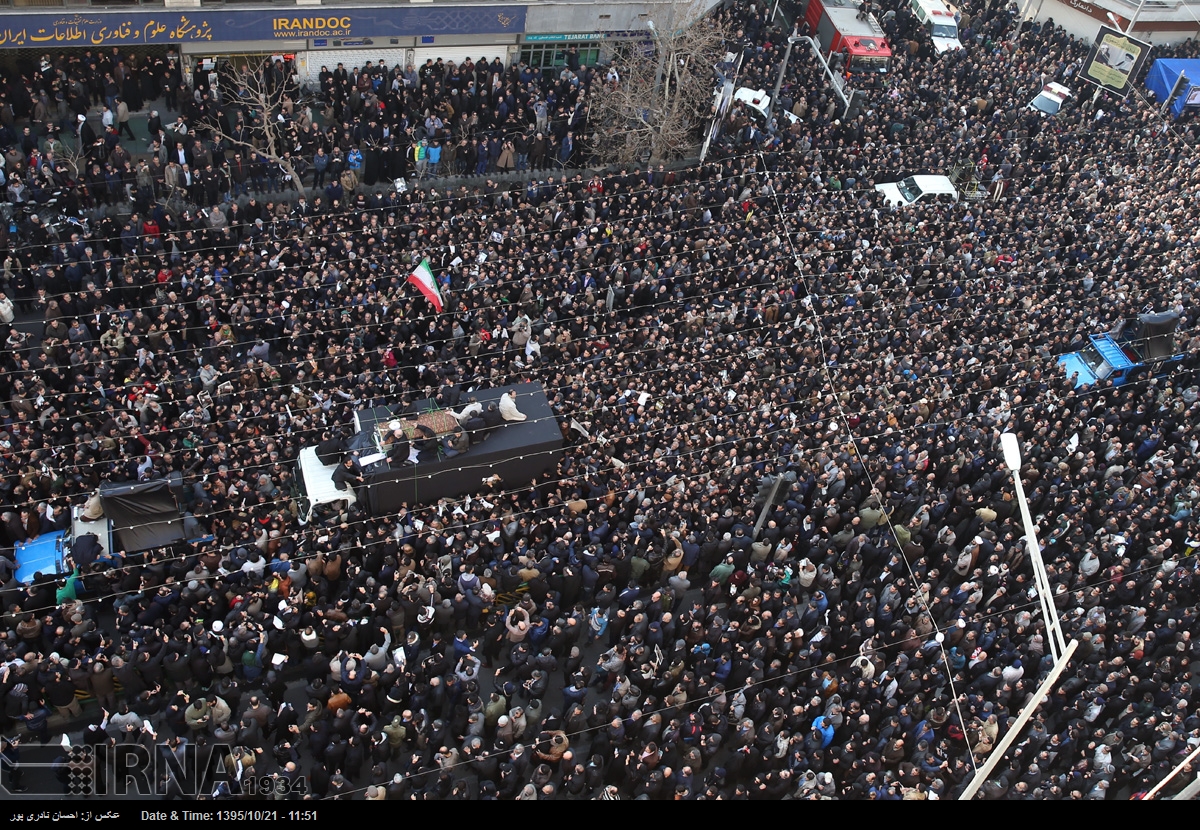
pixel 121 28
pixel 1115 60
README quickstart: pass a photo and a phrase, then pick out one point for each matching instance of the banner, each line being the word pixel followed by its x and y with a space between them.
pixel 98 28
pixel 1115 59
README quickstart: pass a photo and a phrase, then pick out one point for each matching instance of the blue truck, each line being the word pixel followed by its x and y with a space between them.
pixel 1138 348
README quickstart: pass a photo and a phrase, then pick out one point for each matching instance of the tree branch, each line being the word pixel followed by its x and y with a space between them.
pixel 664 115
pixel 268 103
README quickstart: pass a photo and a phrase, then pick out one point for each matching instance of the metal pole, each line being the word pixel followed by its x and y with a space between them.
pixel 1189 792
pixel 1136 14
pixel 787 55
pixel 833 81
pixel 1174 772
pixel 1012 459
pixel 1180 81
pixel 1026 713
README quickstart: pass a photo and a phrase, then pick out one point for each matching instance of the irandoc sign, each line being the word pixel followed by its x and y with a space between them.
pixel 312 26
pixel 99 29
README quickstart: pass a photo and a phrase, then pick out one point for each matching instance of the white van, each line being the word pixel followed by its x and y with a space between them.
pixel 756 99
pixel 937 19
pixel 316 479
pixel 1050 100
pixel 915 189
pixel 759 101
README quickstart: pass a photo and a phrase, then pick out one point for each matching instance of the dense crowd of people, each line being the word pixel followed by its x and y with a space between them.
pixel 623 627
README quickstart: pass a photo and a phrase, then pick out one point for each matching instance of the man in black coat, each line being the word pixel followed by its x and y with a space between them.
pixel 346 475
pixel 331 449
pixel 10 765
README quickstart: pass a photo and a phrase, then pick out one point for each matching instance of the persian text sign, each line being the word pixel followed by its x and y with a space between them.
pixel 99 29
pixel 1092 11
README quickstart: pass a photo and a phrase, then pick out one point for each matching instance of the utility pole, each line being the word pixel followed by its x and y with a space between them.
pixel 1181 81
pixel 787 55
pixel 1035 700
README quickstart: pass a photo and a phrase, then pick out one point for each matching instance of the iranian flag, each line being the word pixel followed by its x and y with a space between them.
pixel 422 277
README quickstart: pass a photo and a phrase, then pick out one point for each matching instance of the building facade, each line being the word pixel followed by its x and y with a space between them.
pixel 315 35
pixel 1156 21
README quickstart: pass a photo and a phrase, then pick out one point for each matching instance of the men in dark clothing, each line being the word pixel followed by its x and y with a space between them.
pixel 331 449
pixel 347 474
pixel 10 765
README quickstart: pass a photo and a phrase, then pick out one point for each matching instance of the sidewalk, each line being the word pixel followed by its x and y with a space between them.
pixel 140 149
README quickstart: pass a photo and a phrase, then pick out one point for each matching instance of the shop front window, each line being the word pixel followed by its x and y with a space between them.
pixel 551 58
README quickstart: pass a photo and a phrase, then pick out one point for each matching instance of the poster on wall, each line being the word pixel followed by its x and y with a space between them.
pixel 1115 60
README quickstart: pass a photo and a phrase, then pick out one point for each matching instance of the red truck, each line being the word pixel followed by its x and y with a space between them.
pixel 844 27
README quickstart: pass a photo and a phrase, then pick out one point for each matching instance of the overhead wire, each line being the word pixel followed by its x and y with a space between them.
pixel 698 184
pixel 768 280
pixel 833 660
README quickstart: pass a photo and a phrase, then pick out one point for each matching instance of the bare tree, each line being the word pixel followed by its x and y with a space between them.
pixel 74 159
pixel 659 104
pixel 255 112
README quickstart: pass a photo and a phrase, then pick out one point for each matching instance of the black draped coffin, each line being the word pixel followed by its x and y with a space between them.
pixel 517 451
pixel 144 514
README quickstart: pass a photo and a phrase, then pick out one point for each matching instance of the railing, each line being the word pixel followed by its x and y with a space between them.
pixel 1125 8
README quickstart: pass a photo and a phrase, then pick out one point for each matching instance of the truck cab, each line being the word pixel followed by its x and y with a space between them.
pixel 846 30
pixel 939 21
pixel 317 485
pixel 1138 348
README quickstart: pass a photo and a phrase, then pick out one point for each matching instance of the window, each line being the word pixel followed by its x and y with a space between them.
pixel 869 63
pixel 550 58
pixel 1099 366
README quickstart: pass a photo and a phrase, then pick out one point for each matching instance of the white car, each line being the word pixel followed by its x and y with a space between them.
pixel 1050 100
pixel 915 189
pixel 759 101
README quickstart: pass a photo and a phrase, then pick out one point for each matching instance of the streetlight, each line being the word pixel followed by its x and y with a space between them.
pixel 1178 769
pixel 792 41
pixel 1128 27
pixel 1062 652
pixel 1031 705
pixel 1012 460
